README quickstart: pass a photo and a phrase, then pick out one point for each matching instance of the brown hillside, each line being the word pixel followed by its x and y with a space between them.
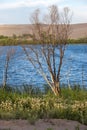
pixel 78 30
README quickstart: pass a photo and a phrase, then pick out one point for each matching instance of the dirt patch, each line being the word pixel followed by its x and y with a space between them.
pixel 51 124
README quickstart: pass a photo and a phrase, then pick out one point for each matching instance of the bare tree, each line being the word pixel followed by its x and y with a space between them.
pixel 52 32
pixel 9 55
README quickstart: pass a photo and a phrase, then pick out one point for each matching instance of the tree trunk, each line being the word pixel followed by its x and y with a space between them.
pixel 57 90
pixel 5 74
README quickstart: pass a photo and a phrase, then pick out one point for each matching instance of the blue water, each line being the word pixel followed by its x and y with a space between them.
pixel 21 71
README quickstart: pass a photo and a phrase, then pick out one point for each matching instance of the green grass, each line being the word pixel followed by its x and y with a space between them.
pixel 32 104
pixel 27 39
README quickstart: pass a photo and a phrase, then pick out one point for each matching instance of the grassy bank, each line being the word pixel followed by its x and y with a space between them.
pixel 78 41
pixel 15 40
pixel 27 39
pixel 33 104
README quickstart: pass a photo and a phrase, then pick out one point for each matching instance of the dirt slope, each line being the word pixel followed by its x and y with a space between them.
pixel 78 30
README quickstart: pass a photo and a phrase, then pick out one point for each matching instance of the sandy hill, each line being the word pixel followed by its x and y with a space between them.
pixel 78 30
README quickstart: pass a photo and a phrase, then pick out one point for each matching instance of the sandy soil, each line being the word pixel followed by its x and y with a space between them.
pixel 54 124
pixel 78 30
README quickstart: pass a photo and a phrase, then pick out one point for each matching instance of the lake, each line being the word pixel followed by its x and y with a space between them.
pixel 21 71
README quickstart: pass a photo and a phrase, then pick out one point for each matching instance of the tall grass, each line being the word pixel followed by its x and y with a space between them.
pixel 31 103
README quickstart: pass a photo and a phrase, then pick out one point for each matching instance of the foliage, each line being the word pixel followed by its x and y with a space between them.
pixel 19 105
pixel 82 40
pixel 53 29
pixel 24 39
pixel 16 40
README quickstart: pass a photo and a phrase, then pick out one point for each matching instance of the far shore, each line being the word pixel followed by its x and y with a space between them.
pixel 77 30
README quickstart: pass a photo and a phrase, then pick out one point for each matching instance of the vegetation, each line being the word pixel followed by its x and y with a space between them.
pixel 30 105
pixel 55 36
pixel 15 40
pixel 78 41
pixel 27 39
pixel 9 55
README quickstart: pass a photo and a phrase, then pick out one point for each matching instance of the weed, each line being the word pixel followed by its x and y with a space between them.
pixel 77 127
pixel 49 129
